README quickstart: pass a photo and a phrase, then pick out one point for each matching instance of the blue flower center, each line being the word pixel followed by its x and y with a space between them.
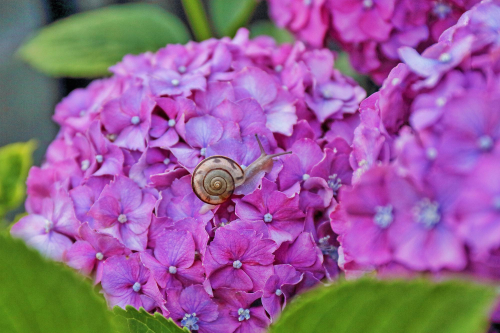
pixel 136 287
pixel 135 120
pixel 334 182
pixel 367 4
pixel 485 143
pixel 427 213
pixel 244 314
pixel 172 269
pixel 122 218
pixel 383 216
pixel 441 10
pixel 99 256
pixel 99 158
pixel 166 161
pixel 278 292
pixel 175 82
pixel 496 203
pixel 190 321
pixel 171 122
pixel 85 165
pixel 328 249
pixel 237 264
pixel 268 218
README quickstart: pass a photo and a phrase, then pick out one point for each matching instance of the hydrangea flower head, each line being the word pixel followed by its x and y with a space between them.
pixel 371 31
pixel 114 197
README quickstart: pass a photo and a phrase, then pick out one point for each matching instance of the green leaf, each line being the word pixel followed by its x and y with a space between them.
pixel 197 18
pixel 269 29
pixel 134 321
pixel 230 15
pixel 369 306
pixel 39 296
pixel 15 162
pixel 86 44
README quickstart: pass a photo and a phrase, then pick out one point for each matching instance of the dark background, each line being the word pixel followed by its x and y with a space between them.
pixel 28 98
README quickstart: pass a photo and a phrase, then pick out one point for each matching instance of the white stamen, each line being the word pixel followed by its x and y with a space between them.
pixel 48 226
pixel 383 216
pixel 99 256
pixel 135 120
pixel 203 151
pixel 122 218
pixel 111 137
pixel 85 165
pixel 182 69
pixel 99 158
pixel 334 182
pixel 305 176
pixel 427 213
pixel 441 101
pixel 172 269
pixel 175 82
pixel 171 122
pixel 82 113
pixel 496 202
pixel 485 142
pixel 327 93
pixel 368 4
pixel 136 287
pixel 166 161
pixel 444 57
pixel 278 68
pixel 441 10
pixel 237 264
pixel 431 153
pixel 268 218
pixel 244 314
pixel 278 292
pixel 395 81
pixel 307 2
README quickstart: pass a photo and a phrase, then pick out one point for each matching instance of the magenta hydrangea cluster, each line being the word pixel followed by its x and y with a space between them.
pixel 426 194
pixel 371 31
pixel 114 197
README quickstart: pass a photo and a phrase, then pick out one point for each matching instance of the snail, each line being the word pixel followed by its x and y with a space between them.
pixel 216 178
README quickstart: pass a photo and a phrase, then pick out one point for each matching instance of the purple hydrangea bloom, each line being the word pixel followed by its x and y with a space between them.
pixel 114 196
pixel 125 281
pixel 371 31
pixel 239 260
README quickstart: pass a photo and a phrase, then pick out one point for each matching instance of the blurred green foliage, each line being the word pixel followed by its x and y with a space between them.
pixel 374 306
pixel 267 28
pixel 15 162
pixel 86 44
pixel 229 15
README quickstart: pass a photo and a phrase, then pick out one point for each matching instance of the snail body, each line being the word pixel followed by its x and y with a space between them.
pixel 217 177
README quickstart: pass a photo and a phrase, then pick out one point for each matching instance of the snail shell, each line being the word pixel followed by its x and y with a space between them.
pixel 215 179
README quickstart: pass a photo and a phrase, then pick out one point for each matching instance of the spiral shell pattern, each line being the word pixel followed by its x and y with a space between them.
pixel 215 179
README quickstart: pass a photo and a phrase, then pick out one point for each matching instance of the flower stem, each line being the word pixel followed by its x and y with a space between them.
pixel 197 19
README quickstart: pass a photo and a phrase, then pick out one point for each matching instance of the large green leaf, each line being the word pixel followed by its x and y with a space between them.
pixel 267 28
pixel 229 15
pixel 15 161
pixel 369 306
pixel 40 296
pixel 86 44
pixel 134 321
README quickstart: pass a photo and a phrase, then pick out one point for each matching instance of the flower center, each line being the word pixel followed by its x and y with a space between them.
pixel 190 321
pixel 166 161
pixel 171 122
pixel 82 113
pixel 230 209
pixel 485 142
pixel 326 93
pixel 99 158
pixel 496 202
pixel 278 68
pixel 99 256
pixel 441 101
pixel 244 314
pixel 48 226
pixel 268 218
pixel 175 82
pixel 305 176
pixel 172 269
pixel 431 153
pixel 307 2
pixel 278 292
pixel 237 264
pixel 136 287
pixel 203 151
pixel 85 165
pixel 328 249
pixel 441 10
pixel 383 216
pixel 135 120
pixel 122 218
pixel 444 57
pixel 182 69
pixel 334 182
pixel 111 137
pixel 367 4
pixel 427 213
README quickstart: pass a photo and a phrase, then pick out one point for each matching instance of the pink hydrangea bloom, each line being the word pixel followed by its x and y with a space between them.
pixel 371 31
pixel 114 198
pixel 425 154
